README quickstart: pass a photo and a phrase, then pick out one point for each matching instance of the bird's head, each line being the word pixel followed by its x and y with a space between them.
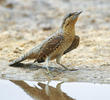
pixel 70 19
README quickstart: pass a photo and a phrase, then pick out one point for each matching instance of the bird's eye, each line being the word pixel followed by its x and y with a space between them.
pixel 70 15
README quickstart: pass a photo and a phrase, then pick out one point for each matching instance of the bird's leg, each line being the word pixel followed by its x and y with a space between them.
pixel 58 62
pixel 47 65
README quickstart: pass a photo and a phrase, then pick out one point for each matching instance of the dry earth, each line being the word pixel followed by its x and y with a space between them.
pixel 25 23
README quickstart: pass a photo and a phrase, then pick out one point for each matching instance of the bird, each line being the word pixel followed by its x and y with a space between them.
pixel 56 45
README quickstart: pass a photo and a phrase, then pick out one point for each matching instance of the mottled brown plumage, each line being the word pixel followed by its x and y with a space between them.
pixel 74 45
pixel 61 42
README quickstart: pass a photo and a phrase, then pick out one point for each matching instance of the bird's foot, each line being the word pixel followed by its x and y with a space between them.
pixel 73 69
pixel 50 73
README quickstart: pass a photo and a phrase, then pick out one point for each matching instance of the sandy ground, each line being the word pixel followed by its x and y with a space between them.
pixel 25 23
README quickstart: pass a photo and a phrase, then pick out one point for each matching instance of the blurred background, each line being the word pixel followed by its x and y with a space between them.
pixel 25 23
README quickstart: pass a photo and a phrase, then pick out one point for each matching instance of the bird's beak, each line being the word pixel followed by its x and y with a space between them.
pixel 77 14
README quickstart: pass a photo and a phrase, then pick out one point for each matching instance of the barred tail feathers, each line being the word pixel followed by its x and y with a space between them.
pixel 33 53
pixel 18 60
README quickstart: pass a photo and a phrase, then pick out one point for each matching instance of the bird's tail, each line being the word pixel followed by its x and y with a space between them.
pixel 18 60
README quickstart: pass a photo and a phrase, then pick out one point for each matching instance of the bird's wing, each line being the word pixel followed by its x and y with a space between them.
pixel 50 45
pixel 74 44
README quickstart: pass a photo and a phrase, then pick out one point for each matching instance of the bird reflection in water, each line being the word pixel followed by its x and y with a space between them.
pixel 45 93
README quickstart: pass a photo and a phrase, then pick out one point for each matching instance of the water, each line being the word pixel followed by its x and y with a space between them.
pixel 54 90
